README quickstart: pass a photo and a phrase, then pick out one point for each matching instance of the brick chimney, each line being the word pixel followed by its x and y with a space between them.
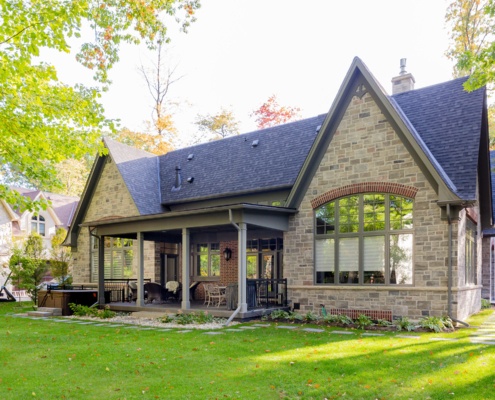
pixel 404 82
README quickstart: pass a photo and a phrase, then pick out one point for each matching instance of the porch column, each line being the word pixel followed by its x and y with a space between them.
pixel 242 266
pixel 186 267
pixel 140 277
pixel 101 270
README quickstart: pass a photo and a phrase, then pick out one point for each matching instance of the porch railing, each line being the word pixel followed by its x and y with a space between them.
pixel 266 293
pixel 118 290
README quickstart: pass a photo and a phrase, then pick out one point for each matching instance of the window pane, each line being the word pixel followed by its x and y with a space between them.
pixel 41 218
pixel 252 245
pixel 215 247
pixel 401 213
pixel 325 219
pixel 401 259
pixel 202 248
pixel 469 258
pixel 349 214
pixel 202 263
pixel 325 260
pixel 374 259
pixel 41 228
pixel 215 265
pixel 128 256
pixel 374 212
pixel 34 227
pixel 252 267
pixel 349 260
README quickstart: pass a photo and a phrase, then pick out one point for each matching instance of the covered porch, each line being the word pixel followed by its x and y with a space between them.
pixel 221 246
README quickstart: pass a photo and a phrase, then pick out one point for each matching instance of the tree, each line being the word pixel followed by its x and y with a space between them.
pixel 152 143
pixel 43 121
pixel 220 125
pixel 159 79
pixel 72 174
pixel 61 257
pixel 472 23
pixel 271 113
pixel 28 265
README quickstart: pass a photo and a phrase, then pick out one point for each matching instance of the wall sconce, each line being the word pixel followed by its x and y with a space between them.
pixel 227 254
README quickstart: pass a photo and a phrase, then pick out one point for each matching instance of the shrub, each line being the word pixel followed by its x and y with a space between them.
pixel 184 319
pixel 81 311
pixel 330 319
pixel 167 319
pixel 203 318
pixel 383 322
pixel 447 322
pixel 404 324
pixel 434 324
pixel 293 316
pixel 311 316
pixel 279 314
pixel 485 303
pixel 362 321
pixel 344 319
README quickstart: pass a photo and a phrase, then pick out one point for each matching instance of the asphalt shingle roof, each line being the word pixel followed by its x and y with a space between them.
pixel 233 165
pixel 448 120
pixel 139 169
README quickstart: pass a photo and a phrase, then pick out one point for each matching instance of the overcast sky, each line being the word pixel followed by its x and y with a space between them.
pixel 239 52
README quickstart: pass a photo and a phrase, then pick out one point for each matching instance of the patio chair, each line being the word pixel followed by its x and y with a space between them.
pixel 174 290
pixel 207 288
pixel 133 291
pixel 217 295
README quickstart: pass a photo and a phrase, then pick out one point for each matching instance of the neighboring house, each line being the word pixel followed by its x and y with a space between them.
pixel 377 205
pixel 16 226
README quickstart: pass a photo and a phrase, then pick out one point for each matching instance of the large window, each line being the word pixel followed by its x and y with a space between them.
pixel 118 258
pixel 207 259
pixel 364 239
pixel 470 256
pixel 38 224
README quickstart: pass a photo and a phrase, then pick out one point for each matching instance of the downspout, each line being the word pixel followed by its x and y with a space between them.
pixel 449 272
pixel 239 303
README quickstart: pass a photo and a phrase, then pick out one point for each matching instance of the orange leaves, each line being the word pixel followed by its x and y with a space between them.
pixel 271 113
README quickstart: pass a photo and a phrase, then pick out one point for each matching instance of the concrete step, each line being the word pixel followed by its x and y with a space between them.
pixel 39 314
pixel 54 311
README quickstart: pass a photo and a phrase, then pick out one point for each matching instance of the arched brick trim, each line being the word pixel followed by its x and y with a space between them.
pixel 365 187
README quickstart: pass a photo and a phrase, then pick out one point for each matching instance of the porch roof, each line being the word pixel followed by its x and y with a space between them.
pixel 263 216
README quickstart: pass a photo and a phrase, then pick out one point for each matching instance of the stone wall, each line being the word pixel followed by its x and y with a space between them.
pixel 364 149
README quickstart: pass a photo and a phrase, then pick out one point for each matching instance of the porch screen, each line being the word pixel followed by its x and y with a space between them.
pixel 366 238
pixel 118 258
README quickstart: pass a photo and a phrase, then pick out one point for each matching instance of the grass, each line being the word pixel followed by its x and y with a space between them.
pixel 50 360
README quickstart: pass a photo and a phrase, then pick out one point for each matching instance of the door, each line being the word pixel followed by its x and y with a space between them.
pixel 168 268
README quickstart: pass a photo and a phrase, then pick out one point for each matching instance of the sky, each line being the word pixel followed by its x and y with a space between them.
pixel 240 52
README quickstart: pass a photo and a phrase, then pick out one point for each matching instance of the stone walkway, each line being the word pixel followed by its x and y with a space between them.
pixel 484 335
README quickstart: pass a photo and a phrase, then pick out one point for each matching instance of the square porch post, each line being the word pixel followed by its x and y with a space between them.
pixel 186 267
pixel 140 277
pixel 101 270
pixel 242 264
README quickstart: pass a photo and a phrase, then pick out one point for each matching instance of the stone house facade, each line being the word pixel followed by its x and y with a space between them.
pixel 373 206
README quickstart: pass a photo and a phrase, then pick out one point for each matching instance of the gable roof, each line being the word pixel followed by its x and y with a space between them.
pixel 448 119
pixel 442 108
pixel 238 165
pixel 140 172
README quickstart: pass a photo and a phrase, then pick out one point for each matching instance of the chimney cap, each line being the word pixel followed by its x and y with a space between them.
pixel 403 66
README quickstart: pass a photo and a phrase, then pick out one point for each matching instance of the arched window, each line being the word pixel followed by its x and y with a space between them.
pixel 364 239
pixel 38 224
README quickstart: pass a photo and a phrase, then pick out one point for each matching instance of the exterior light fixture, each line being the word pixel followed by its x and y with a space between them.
pixel 227 254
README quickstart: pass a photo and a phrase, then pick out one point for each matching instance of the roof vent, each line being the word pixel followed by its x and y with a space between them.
pixel 190 179
pixel 190 157
pixel 178 179
pixel 318 129
pixel 255 143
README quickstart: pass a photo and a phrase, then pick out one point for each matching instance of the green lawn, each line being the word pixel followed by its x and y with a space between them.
pixel 49 360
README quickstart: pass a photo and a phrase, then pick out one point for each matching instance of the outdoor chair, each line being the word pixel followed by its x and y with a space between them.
pixel 174 290
pixel 133 291
pixel 217 295
pixel 207 288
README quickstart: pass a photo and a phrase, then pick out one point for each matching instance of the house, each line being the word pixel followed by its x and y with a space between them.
pixel 376 206
pixel 16 225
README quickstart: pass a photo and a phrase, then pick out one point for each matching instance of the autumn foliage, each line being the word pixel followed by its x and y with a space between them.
pixel 271 113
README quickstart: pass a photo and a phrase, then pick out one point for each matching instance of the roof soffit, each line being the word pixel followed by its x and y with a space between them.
pixel 357 82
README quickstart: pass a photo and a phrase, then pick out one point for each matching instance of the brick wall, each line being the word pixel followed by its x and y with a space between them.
pixel 365 149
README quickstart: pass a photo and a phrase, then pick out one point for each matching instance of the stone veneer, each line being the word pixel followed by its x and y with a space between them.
pixel 364 149
pixel 111 199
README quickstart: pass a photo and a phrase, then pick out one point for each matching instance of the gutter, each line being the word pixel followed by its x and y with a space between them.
pixel 449 272
pixel 239 302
